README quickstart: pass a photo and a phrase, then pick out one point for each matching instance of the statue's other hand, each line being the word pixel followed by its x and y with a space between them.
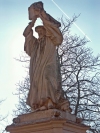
pixel 37 12
pixel 43 14
pixel 33 21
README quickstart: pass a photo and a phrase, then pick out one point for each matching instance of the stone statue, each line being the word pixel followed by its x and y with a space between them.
pixel 44 92
pixel 50 110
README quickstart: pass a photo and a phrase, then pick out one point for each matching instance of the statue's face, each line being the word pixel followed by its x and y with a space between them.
pixel 41 32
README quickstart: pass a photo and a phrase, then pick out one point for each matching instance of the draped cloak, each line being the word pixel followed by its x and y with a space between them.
pixel 43 66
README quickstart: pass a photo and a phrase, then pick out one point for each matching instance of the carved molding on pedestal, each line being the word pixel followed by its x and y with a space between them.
pixel 46 122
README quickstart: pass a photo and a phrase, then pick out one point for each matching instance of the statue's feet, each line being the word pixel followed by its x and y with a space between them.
pixel 43 108
pixel 35 108
pixel 50 107
pixel 50 104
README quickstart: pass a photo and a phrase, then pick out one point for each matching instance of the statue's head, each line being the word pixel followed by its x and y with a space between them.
pixel 40 30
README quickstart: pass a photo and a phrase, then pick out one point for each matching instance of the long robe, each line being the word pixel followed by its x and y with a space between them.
pixel 43 67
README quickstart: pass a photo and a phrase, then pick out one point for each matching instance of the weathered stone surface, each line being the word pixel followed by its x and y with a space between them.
pixel 44 92
pixel 49 126
pixel 46 114
pixel 51 109
pixel 48 121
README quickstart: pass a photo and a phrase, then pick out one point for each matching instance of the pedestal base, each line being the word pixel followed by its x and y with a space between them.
pixel 49 121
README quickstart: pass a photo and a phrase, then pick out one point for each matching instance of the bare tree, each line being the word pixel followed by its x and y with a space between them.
pixel 22 91
pixel 2 119
pixel 79 77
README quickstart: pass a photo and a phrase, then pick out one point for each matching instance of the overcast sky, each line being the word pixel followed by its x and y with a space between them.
pixel 13 20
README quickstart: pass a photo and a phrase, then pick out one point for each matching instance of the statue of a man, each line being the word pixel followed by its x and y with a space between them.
pixel 44 92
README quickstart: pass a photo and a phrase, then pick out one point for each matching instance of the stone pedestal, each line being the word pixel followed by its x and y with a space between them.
pixel 49 121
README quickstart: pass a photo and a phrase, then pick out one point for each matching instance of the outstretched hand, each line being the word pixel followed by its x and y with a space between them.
pixel 33 21
pixel 37 12
pixel 28 29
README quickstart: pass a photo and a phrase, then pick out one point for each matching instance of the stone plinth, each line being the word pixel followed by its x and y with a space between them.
pixel 49 121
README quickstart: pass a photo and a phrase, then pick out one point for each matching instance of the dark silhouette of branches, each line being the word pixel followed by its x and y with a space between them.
pixel 2 119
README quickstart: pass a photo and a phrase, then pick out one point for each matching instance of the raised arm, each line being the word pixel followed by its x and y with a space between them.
pixel 52 28
pixel 51 25
pixel 28 29
pixel 29 38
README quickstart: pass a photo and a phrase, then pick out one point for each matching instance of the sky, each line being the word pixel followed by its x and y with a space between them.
pixel 14 19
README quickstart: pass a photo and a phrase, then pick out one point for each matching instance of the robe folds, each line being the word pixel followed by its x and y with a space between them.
pixel 43 65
